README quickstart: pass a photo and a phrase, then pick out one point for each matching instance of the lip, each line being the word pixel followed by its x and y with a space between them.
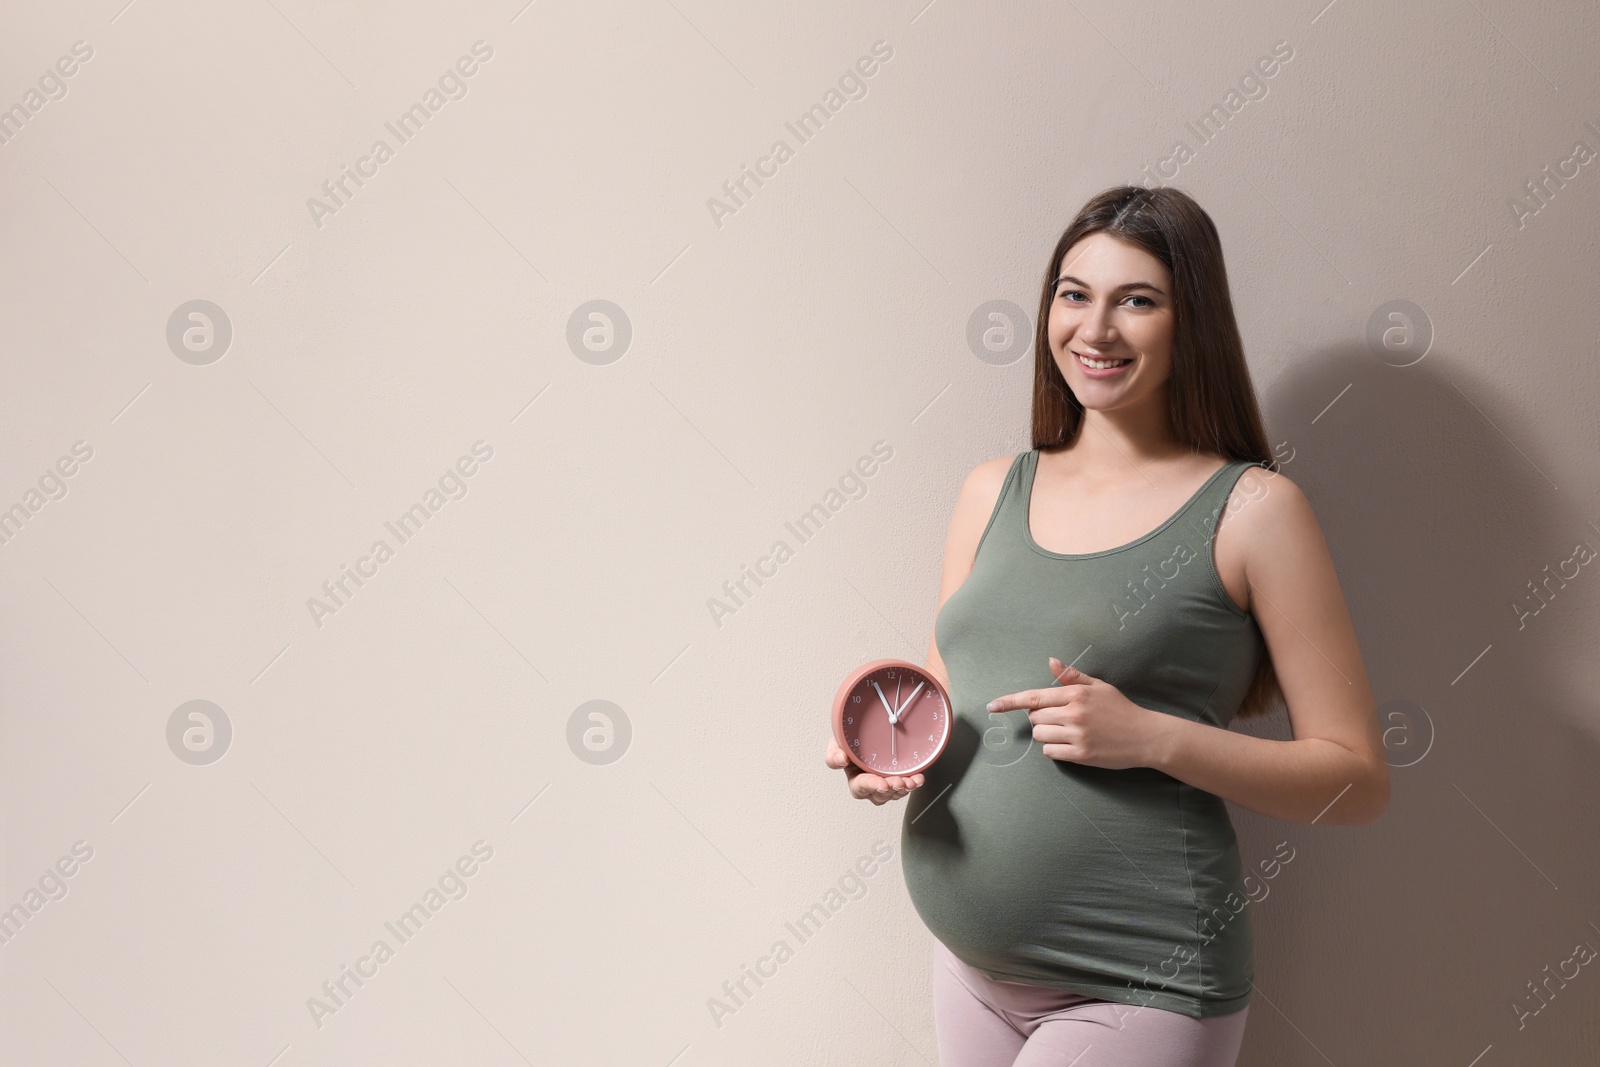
pixel 1096 372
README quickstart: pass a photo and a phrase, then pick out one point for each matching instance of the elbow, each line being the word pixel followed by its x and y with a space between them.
pixel 1363 801
pixel 1376 795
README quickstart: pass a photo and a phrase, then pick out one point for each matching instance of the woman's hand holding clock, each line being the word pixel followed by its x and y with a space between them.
pixel 864 786
pixel 875 705
pixel 1087 720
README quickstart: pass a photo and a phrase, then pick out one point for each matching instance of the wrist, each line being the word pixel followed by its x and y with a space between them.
pixel 1166 740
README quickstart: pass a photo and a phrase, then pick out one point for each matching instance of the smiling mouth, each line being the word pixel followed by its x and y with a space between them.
pixel 1100 364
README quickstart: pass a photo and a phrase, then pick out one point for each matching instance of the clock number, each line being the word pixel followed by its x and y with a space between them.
pixel 848 719
pixel 930 737
pixel 856 743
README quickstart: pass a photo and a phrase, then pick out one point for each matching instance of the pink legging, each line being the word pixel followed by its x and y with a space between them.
pixel 983 1023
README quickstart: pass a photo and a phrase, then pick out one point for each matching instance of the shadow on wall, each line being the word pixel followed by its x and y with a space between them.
pixel 1422 939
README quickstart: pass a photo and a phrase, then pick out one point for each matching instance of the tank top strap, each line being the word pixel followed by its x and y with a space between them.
pixel 1204 511
pixel 1006 504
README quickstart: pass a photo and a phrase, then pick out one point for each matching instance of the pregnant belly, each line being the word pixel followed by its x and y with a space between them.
pixel 1047 868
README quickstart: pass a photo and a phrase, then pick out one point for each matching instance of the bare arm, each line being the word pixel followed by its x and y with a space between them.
pixel 1333 770
pixel 973 507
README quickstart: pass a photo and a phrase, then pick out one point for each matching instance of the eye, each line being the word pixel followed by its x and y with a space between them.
pixel 1070 295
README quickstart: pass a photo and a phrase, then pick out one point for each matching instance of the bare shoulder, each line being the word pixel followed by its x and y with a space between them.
pixel 1265 502
pixel 981 491
pixel 1267 519
pixel 986 478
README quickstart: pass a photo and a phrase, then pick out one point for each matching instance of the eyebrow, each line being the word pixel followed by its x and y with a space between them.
pixel 1119 289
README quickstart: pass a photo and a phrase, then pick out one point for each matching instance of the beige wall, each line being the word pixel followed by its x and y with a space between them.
pixel 377 340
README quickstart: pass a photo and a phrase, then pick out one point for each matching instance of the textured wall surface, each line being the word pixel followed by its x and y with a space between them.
pixel 386 384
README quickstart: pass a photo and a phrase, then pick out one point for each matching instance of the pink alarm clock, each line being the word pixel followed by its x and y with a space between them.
pixel 891 717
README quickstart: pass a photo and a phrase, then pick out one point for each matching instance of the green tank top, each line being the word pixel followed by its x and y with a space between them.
pixel 1124 885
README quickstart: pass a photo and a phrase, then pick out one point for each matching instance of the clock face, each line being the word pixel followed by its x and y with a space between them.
pixel 892 718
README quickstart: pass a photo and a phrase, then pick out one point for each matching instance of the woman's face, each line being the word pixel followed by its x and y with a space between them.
pixel 1113 302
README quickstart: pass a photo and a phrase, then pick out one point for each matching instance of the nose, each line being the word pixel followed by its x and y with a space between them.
pixel 1095 327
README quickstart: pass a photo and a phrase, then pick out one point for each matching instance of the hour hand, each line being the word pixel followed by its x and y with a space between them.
pixel 901 710
pixel 894 716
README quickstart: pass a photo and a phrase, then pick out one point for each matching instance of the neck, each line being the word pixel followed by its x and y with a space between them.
pixel 1136 435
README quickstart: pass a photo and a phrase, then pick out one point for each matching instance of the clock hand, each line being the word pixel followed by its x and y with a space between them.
pixel 898 707
pixel 893 717
pixel 901 710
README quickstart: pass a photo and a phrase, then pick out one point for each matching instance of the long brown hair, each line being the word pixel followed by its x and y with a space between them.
pixel 1211 401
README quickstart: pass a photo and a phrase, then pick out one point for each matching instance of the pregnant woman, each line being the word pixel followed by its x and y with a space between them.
pixel 1110 601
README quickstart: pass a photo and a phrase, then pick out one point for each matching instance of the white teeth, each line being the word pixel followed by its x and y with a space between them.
pixel 1101 364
